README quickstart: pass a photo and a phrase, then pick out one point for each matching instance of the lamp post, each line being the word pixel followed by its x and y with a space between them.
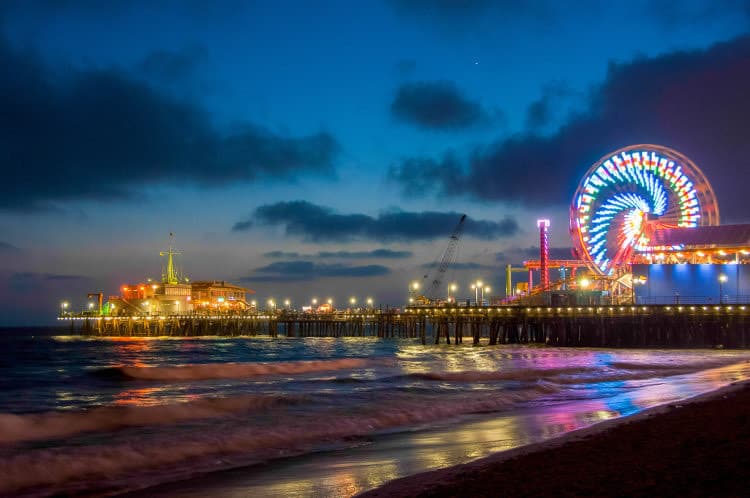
pixel 369 302
pixel 476 286
pixel 487 290
pixel 413 289
pixel 452 288
pixel 286 303
pixel 722 280
pixel 63 306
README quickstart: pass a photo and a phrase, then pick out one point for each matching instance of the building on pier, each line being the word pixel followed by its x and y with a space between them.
pixel 218 294
pixel 177 295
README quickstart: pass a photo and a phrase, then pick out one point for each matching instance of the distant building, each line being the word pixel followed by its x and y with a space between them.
pixel 219 295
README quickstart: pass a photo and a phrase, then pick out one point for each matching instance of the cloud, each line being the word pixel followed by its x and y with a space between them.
pixel 436 105
pixel 292 271
pixel 28 281
pixel 516 254
pixel 322 224
pixel 98 134
pixel 457 265
pixel 543 112
pixel 374 254
pixel 693 101
pixel 6 247
pixel 381 253
pixel 242 226
pixel 172 66
pixel 279 254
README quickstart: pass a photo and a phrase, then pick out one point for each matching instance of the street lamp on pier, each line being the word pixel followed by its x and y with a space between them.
pixel 477 286
pixel 452 288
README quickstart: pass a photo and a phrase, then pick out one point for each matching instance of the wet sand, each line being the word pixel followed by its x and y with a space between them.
pixel 699 447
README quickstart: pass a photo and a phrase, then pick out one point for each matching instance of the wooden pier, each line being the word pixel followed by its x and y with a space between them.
pixel 686 326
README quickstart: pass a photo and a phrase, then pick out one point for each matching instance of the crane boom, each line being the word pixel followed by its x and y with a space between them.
pixel 449 257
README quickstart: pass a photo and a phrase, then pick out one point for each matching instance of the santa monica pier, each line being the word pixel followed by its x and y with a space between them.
pixel 650 265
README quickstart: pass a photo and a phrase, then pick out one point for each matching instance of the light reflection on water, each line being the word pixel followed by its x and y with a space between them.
pixel 346 473
pixel 397 409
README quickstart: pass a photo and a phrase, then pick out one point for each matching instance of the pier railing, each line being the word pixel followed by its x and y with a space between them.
pixel 681 325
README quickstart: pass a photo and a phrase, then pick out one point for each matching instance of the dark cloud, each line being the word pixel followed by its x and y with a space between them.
pixel 457 265
pixel 546 109
pixel 374 254
pixel 292 271
pixel 242 226
pixel 24 282
pixel 693 101
pixel 6 247
pixel 436 105
pixel 171 66
pixel 322 224
pixel 518 254
pixel 418 175
pixel 279 254
pixel 97 134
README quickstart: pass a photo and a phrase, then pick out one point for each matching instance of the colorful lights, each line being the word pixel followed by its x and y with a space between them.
pixel 631 192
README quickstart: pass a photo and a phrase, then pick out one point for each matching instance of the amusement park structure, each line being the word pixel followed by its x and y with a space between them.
pixel 639 205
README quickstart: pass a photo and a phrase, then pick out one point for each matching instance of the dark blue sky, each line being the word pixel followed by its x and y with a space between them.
pixel 328 148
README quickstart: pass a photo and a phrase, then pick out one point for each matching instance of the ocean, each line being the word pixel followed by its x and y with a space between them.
pixel 257 416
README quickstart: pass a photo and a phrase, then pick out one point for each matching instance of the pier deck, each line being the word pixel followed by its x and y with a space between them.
pixel 597 326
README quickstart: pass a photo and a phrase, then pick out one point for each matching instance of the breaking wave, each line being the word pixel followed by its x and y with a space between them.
pixel 64 469
pixel 210 371
pixel 52 425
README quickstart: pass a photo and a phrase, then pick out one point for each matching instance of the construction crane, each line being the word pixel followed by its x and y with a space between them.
pixel 434 281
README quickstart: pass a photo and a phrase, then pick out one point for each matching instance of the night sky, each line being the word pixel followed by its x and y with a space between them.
pixel 328 148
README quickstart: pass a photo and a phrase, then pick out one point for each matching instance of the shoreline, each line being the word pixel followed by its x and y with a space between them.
pixel 627 449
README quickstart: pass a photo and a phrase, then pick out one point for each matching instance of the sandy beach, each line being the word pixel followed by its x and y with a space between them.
pixel 695 448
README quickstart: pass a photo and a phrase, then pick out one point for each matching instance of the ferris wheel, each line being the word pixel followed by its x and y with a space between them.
pixel 627 195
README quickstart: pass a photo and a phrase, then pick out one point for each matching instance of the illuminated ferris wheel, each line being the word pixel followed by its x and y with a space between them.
pixel 627 195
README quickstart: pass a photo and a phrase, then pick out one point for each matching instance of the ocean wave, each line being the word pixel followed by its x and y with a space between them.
pixel 688 367
pixel 492 375
pixel 616 371
pixel 52 425
pixel 210 371
pixel 62 468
